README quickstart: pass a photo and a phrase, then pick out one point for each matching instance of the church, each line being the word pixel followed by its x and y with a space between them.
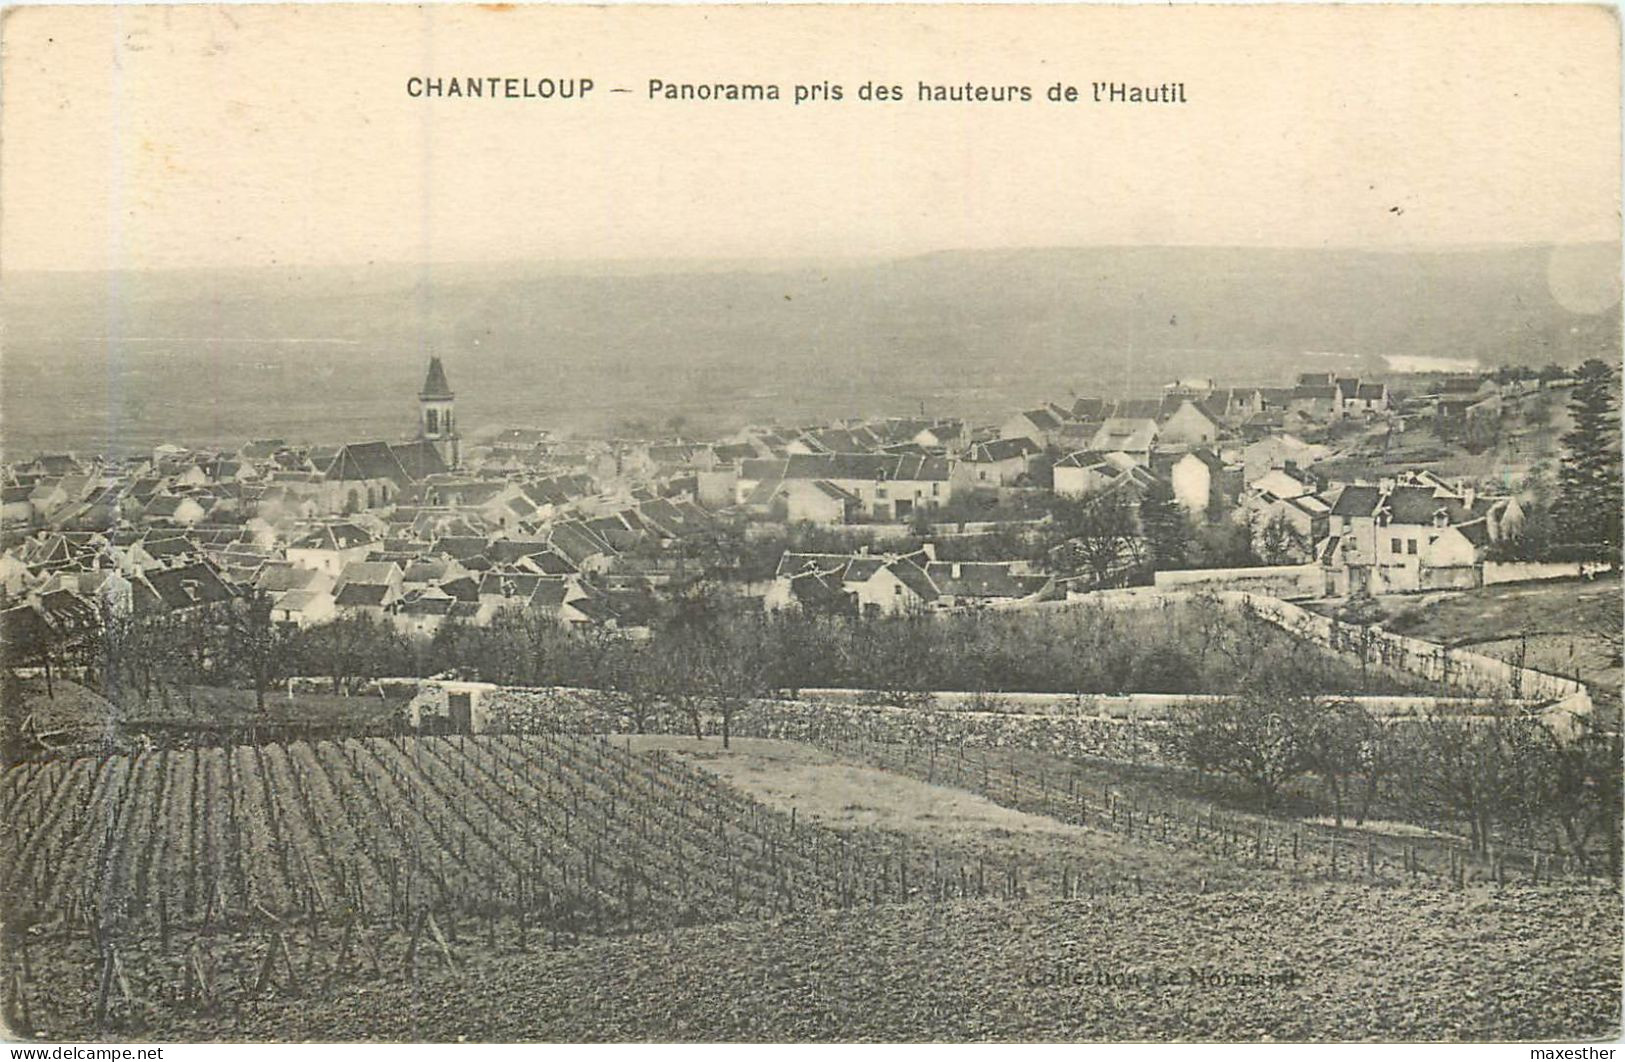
pixel 371 474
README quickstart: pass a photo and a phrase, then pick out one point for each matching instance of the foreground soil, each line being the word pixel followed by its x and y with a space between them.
pixel 1318 963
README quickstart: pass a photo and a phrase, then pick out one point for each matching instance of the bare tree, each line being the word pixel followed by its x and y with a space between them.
pixel 1260 737
pixel 626 683
pixel 1102 536
pixel 1335 746
pixel 1480 771
pixel 256 643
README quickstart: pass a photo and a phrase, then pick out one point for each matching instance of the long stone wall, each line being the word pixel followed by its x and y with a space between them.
pixel 1530 571
pixel 1456 672
pixel 1280 580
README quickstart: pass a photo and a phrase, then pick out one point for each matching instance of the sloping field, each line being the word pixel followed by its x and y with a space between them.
pixel 1333 962
pixel 1569 627
pixel 1051 857
pixel 566 887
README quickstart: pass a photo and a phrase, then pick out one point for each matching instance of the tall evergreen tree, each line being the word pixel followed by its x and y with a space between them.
pixel 1162 523
pixel 1589 485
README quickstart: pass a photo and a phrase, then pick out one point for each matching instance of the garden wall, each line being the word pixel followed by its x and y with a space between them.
pixel 1458 672
pixel 1281 580
pixel 1529 571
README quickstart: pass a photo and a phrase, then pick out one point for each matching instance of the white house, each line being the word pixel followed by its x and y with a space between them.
pixel 330 547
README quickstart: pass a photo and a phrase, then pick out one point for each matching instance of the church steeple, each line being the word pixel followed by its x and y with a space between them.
pixel 436 418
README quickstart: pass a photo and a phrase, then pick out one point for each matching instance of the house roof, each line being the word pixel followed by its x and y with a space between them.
pixel 1089 409
pixel 334 537
pixel 425 571
pixel 1357 499
pixel 911 467
pixel 1043 419
pixel 1002 450
pixel 1407 504
pixel 793 564
pixel 729 452
pixel 168 547
pixel 1121 433
pixel 188 586
pixel 549 592
pixel 353 594
pixel 1141 408
pixel 298 600
pixel 464 589
pixel 378 573
pixel 981 579
pixel 577 542
pixel 460 547
pixel 549 563
pixel 914 577
pixel 833 492
pixel 433 606
pixel 1079 459
pixel 509 584
pixel 820 590
pixel 66 611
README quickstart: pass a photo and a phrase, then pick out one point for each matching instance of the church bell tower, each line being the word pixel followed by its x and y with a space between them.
pixel 436 422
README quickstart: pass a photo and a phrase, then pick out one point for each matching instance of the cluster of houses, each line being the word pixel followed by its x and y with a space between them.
pixel 874 584
pixel 586 532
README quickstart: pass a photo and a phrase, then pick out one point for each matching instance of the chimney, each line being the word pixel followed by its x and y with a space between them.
pixel 1468 496
pixel 1386 484
pixel 863 550
pixel 929 549
pixel 956 569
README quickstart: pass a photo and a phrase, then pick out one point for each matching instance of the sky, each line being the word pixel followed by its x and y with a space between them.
pixel 212 137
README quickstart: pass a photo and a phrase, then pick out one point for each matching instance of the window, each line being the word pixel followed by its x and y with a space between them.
pixel 430 420
pixel 1410 547
pixel 1396 546
pixel 880 492
pixel 934 490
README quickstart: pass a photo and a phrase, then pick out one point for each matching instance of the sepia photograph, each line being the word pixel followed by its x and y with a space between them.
pixel 810 524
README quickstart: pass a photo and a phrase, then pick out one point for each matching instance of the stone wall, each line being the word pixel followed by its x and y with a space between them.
pixel 1456 672
pixel 1529 571
pixel 1281 580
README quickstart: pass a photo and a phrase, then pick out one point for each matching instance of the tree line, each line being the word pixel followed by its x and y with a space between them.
pixel 1505 773
pixel 704 641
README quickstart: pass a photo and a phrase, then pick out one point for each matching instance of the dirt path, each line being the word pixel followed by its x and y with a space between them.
pixel 845 795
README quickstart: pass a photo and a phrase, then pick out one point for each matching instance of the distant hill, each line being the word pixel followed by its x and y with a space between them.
pixel 332 354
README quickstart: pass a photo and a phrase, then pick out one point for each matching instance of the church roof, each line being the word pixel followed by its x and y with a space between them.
pixel 435 385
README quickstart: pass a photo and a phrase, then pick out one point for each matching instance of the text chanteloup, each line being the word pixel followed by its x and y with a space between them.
pixel 499 88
